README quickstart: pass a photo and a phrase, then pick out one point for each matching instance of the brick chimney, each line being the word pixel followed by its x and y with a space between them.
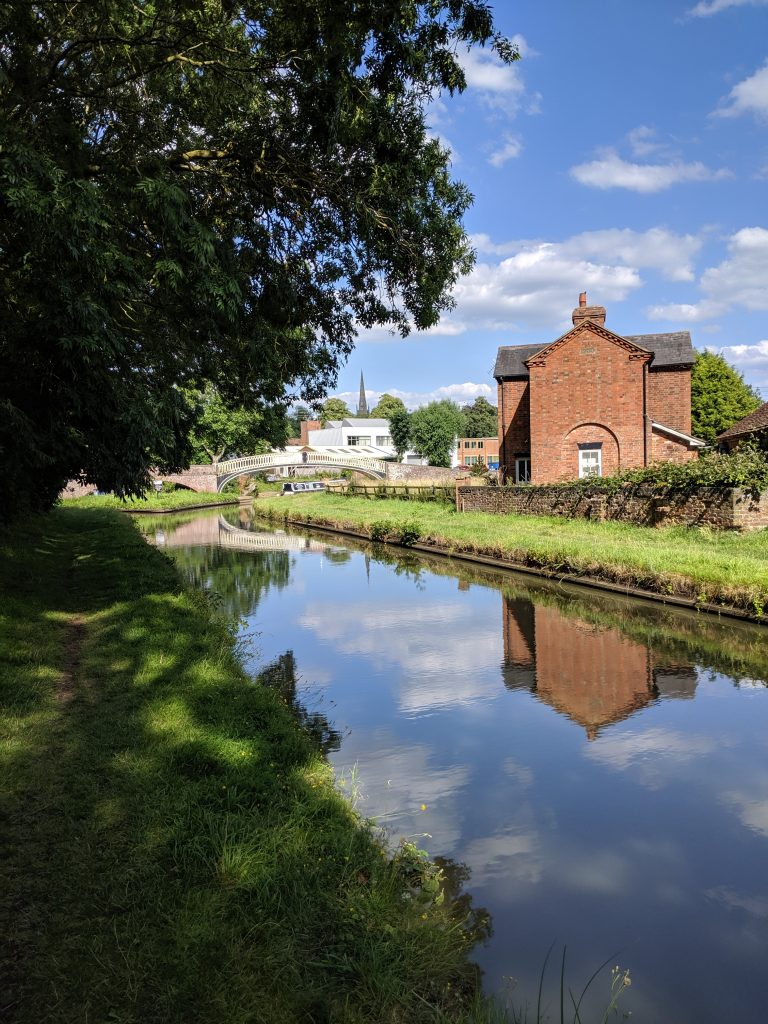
pixel 584 312
pixel 306 426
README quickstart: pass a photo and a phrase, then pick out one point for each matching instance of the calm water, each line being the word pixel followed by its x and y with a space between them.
pixel 599 765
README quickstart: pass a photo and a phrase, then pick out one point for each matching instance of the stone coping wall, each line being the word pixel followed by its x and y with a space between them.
pixel 722 508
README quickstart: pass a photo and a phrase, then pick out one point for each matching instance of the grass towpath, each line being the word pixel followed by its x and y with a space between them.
pixel 173 847
pixel 720 567
pixel 166 501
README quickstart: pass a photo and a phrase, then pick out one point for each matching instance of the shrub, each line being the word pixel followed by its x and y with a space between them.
pixel 409 534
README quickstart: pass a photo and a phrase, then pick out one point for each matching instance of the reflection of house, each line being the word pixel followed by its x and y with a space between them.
pixel 593 674
pixel 753 426
pixel 593 402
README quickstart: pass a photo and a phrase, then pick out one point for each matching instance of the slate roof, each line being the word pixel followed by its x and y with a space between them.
pixel 668 350
pixel 757 420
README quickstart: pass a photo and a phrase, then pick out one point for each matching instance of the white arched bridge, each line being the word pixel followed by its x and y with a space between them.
pixel 216 477
pixel 233 468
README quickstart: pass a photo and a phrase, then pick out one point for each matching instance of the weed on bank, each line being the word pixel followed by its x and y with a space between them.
pixel 174 848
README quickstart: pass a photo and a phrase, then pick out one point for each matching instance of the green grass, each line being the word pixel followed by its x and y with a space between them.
pixel 174 848
pixel 163 502
pixel 705 565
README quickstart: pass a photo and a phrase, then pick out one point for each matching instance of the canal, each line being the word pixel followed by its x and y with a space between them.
pixel 593 771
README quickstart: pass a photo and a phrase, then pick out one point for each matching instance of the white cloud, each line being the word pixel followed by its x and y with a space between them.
pixel 643 142
pixel 536 283
pixel 748 97
pixel 740 280
pixel 612 171
pixel 490 76
pixel 685 312
pixel 705 8
pixel 509 150
pixel 747 355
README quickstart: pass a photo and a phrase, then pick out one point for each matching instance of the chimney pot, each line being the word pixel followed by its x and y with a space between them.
pixel 583 299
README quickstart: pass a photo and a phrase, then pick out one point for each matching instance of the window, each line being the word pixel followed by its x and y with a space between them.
pixel 590 460
pixel 358 440
pixel 384 439
pixel 479 444
pixel 522 469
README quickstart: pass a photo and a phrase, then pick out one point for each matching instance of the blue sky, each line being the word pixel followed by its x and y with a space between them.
pixel 626 155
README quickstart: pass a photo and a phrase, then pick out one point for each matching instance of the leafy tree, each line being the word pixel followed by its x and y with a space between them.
pixel 210 192
pixel 719 396
pixel 387 405
pixel 400 431
pixel 434 429
pixel 481 419
pixel 295 418
pixel 334 409
pixel 220 431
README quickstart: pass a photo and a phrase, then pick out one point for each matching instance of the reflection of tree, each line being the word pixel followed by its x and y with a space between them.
pixel 281 675
pixel 475 921
pixel 338 555
pixel 240 579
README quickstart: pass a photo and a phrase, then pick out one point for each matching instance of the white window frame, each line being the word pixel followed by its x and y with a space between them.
pixel 587 465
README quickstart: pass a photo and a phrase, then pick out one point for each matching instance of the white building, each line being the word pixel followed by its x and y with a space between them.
pixel 367 436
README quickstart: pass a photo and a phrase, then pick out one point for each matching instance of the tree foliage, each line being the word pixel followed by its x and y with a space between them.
pixel 400 431
pixel 334 409
pixel 481 419
pixel 719 396
pixel 387 406
pixel 434 429
pixel 221 431
pixel 210 192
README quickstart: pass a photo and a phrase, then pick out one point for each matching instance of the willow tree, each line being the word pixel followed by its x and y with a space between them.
pixel 215 192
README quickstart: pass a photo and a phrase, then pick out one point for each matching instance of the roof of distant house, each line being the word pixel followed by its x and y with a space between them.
pixel 673 349
pixel 757 420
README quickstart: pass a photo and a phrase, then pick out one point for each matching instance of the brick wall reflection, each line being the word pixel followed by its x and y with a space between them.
pixel 593 674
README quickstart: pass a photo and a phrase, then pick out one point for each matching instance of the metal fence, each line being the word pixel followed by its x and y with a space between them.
pixel 401 491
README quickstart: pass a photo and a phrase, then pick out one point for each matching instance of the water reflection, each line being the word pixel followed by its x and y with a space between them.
pixel 599 765
pixel 593 674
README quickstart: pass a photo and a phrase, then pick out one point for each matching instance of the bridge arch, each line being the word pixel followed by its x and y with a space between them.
pixel 233 468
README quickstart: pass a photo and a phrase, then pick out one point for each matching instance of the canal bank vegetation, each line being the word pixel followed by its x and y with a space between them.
pixel 174 847
pixel 708 567
pixel 165 501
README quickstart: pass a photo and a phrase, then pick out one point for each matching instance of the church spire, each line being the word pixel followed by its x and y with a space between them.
pixel 362 404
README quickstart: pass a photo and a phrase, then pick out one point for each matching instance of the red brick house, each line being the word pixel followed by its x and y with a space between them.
pixel 592 402
pixel 471 451
pixel 753 426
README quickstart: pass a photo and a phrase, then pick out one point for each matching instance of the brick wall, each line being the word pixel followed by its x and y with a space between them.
pixel 666 449
pixel 669 397
pixel 74 489
pixel 408 473
pixel 720 508
pixel 589 389
pixel 514 421
pixel 196 478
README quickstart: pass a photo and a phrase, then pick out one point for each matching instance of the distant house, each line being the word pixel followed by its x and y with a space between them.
pixel 754 425
pixel 474 451
pixel 592 402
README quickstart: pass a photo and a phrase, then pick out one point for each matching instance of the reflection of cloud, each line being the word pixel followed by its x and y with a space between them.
pixel 512 855
pixel 428 642
pixel 521 773
pixel 651 753
pixel 396 780
pixel 735 901
pixel 752 808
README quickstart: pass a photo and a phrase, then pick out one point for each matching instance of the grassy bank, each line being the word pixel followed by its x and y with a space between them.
pixel 173 847
pixel 707 566
pixel 166 501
